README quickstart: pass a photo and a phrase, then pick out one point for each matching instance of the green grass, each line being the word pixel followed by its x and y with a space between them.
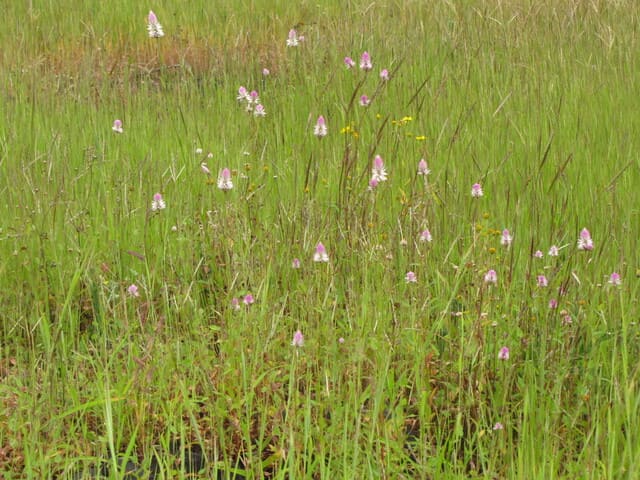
pixel 535 100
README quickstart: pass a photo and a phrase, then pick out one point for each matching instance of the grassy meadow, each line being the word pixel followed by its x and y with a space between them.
pixel 432 344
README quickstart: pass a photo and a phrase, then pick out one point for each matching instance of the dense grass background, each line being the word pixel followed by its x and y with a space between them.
pixel 536 100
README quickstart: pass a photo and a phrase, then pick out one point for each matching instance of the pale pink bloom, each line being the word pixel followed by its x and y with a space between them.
pixel 117 126
pixel 553 304
pixel 243 95
pixel 425 236
pixel 133 290
pixel 298 339
pixel 410 277
pixel 378 171
pixel 476 190
pixel 614 279
pixel 295 263
pixel 158 203
pixel 542 281
pixel 341 340
pixel 248 299
pixel 506 238
pixel 423 169
pixel 320 130
pixel 292 39
pixel 585 242
pixel 503 354
pixel 538 254
pixel 235 303
pixel 153 26
pixel 566 319
pixel 266 72
pixel 253 98
pixel 373 184
pixel 491 277
pixel 259 111
pixel 384 75
pixel 364 101
pixel 320 254
pixel 498 426
pixel 554 251
pixel 205 168
pixel 224 179
pixel 348 61
pixel 365 61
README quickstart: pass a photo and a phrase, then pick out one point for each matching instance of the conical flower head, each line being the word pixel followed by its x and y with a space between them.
pixel 320 130
pixel 224 179
pixel 365 61
pixel 378 171
pixel 320 254
pixel 153 26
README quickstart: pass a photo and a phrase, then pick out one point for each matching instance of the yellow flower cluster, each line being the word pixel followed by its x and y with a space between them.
pixel 350 130
pixel 402 122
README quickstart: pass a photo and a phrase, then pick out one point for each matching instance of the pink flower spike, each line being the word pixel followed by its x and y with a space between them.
pixel 585 242
pixel 553 304
pixel 554 251
pixel 378 171
pixel 384 75
pixel 506 238
pixel 133 290
pixel 365 62
pixel 117 126
pixel 266 72
pixel 476 190
pixel 373 184
pixel 538 254
pixel 410 277
pixel 498 426
pixel 235 303
pixel 425 236
pixel 259 111
pixel 298 339
pixel 364 101
pixel 320 130
pixel 491 277
pixel 153 26
pixel 542 281
pixel 614 279
pixel 292 39
pixel 349 63
pixel 248 299
pixel 320 254
pixel 423 169
pixel 295 263
pixel 243 95
pixel 224 179
pixel 503 354
pixel 158 203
